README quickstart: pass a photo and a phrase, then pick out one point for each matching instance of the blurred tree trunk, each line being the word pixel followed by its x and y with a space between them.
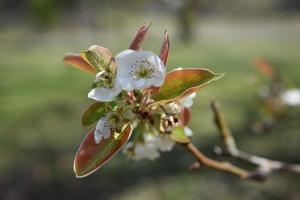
pixel 187 18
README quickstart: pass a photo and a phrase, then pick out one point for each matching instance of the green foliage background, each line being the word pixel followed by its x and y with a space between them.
pixel 42 101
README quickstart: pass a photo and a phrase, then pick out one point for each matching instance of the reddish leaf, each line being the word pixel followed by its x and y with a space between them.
pixel 185 116
pixel 164 52
pixel 77 61
pixel 91 156
pixel 182 82
pixel 137 41
pixel 264 67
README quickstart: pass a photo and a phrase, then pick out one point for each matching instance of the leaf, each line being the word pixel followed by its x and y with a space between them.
pixel 185 116
pixel 164 52
pixel 100 58
pixel 264 67
pixel 95 112
pixel 182 82
pixel 179 136
pixel 91 156
pixel 77 61
pixel 137 41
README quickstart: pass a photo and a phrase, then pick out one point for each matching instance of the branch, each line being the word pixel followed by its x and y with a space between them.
pixel 222 166
pixel 265 166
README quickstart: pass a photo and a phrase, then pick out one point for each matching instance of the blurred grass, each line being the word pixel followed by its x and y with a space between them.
pixel 42 101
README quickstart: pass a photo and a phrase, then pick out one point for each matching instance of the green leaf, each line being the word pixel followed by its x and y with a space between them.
pixel 182 82
pixel 179 136
pixel 95 112
pixel 100 58
pixel 91 156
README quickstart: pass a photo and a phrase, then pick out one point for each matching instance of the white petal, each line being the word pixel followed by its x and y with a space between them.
pixel 103 94
pixel 102 130
pixel 188 132
pixel 164 143
pixel 291 97
pixel 172 108
pixel 97 137
pixel 151 152
pixel 188 100
pixel 145 151
pixel 129 62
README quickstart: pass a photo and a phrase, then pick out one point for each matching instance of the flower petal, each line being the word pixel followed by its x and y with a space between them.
pixel 188 132
pixel 187 101
pixel 164 143
pixel 129 65
pixel 104 94
pixel 291 97
pixel 102 130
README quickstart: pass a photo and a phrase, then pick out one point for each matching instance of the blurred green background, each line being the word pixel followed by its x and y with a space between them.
pixel 42 99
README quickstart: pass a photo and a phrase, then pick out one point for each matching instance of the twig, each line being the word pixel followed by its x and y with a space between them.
pixel 222 166
pixel 264 166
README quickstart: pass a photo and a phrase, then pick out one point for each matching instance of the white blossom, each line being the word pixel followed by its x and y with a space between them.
pixel 172 108
pixel 106 87
pixel 139 69
pixel 164 143
pixel 148 151
pixel 187 101
pixel 291 97
pixel 109 122
pixel 150 147
pixel 188 132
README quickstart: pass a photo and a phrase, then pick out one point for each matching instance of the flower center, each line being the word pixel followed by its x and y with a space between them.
pixel 105 80
pixel 143 69
pixel 115 121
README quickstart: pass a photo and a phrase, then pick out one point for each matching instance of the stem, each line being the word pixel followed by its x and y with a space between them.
pixel 265 166
pixel 222 166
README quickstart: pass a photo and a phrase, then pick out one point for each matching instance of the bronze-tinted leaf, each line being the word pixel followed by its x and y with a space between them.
pixel 164 52
pixel 137 41
pixel 77 61
pixel 264 67
pixel 182 82
pixel 185 116
pixel 99 57
pixel 91 156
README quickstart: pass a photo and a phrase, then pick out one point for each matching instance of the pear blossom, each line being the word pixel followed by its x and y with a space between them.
pixel 139 69
pixel 164 142
pixel 291 97
pixel 106 125
pixel 148 151
pixel 188 132
pixel 187 101
pixel 106 87
pixel 150 147
pixel 172 107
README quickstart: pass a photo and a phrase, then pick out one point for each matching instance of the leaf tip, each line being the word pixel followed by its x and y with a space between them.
pixel 137 41
pixel 219 75
pixel 164 52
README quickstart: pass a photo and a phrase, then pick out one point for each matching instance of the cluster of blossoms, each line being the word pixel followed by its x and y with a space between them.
pixel 275 92
pixel 135 96
pixel 275 99
pixel 291 97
